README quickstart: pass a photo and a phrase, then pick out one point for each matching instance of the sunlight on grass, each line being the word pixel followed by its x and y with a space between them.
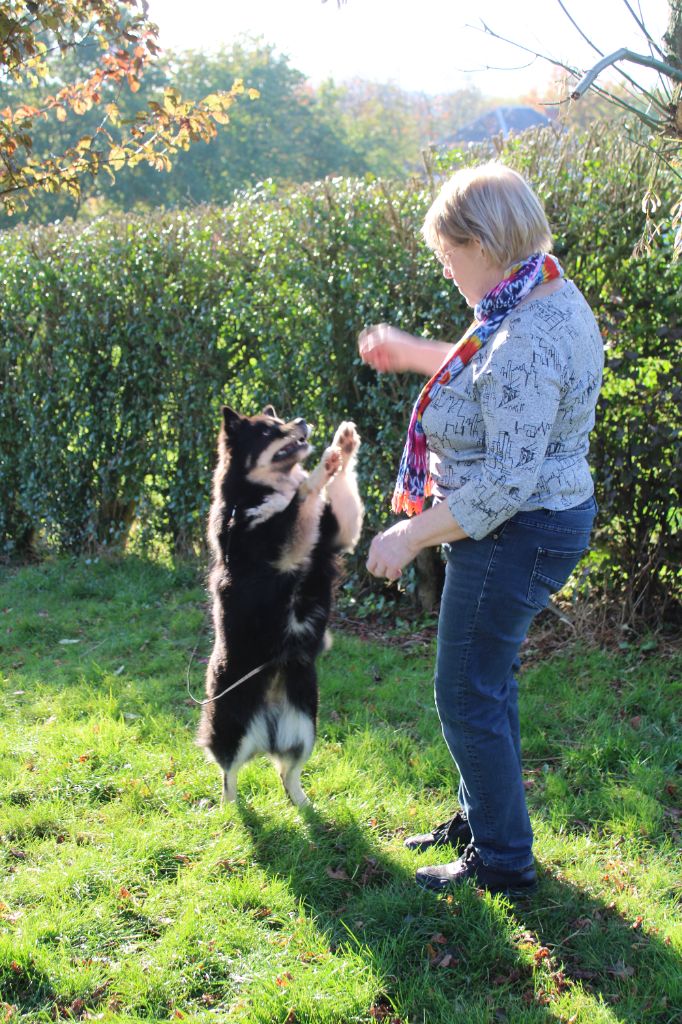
pixel 128 894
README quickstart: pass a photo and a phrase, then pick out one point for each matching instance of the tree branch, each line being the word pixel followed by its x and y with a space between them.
pixel 578 29
pixel 644 30
pixel 624 54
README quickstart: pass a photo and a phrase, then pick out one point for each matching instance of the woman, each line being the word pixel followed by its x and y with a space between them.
pixel 499 437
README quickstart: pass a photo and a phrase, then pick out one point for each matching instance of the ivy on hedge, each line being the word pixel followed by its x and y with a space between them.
pixel 120 339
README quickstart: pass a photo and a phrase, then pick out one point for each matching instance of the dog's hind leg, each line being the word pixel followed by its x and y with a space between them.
pixel 254 741
pixel 294 745
pixel 229 793
pixel 291 778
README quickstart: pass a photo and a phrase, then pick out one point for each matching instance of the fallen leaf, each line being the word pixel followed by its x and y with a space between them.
pixel 583 973
pixel 620 970
pixel 381 1008
pixel 507 979
pixel 371 871
pixel 338 874
pixel 636 721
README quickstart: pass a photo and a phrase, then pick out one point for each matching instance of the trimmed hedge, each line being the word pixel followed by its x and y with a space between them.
pixel 120 339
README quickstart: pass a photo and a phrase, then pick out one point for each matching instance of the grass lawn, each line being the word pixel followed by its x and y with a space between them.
pixel 128 894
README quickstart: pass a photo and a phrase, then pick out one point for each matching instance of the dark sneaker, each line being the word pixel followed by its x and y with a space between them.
pixel 471 866
pixel 455 832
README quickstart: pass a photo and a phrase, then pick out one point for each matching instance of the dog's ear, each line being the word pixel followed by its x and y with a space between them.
pixel 232 422
pixel 269 410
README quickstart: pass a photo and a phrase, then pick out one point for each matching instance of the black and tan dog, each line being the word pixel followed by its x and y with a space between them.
pixel 276 533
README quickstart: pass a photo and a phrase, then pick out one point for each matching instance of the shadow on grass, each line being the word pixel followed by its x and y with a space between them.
pixel 437 956
pixel 463 950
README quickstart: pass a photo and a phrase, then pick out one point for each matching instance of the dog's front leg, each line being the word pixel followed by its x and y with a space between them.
pixel 329 464
pixel 342 491
pixel 306 529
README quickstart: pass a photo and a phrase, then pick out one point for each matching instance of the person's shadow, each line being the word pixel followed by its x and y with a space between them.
pixel 441 957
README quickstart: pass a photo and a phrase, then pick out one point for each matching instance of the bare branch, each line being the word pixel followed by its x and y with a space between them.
pixel 624 54
pixel 628 78
pixel 578 29
pixel 551 60
pixel 574 71
pixel 642 27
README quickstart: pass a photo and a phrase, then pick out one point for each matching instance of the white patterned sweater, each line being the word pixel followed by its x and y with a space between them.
pixel 511 432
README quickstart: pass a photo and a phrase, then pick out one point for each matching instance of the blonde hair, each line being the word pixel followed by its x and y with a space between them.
pixel 493 205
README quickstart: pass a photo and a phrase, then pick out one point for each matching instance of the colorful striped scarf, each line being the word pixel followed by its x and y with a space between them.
pixel 414 482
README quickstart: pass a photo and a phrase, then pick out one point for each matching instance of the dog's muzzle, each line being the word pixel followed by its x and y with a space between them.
pixel 298 445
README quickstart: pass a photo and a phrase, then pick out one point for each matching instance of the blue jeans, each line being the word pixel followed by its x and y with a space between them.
pixel 493 589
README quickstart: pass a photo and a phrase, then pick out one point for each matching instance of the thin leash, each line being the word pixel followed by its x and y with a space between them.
pixel 253 672
pixel 211 700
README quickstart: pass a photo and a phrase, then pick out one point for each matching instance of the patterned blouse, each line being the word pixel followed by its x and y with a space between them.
pixel 511 431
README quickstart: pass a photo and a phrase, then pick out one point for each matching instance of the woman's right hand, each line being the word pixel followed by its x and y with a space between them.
pixel 386 348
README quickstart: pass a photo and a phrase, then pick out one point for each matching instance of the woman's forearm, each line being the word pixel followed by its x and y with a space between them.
pixel 424 356
pixel 390 350
pixel 393 549
pixel 436 525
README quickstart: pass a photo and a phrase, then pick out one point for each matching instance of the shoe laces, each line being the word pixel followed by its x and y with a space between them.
pixel 448 826
pixel 471 856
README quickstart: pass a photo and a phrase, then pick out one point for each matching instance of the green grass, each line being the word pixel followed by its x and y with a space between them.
pixel 128 894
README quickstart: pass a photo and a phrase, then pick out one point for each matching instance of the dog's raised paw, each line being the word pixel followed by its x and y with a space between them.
pixel 347 440
pixel 332 461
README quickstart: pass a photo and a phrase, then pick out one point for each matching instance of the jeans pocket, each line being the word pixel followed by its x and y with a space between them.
pixel 550 573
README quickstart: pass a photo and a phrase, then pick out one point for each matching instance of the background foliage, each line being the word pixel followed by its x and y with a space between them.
pixel 66 64
pixel 293 132
pixel 120 338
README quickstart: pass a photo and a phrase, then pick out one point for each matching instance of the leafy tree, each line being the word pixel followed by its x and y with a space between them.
pixel 288 135
pixel 284 136
pixel 35 37
pixel 391 126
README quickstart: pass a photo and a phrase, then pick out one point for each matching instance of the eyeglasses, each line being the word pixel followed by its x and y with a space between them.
pixel 443 255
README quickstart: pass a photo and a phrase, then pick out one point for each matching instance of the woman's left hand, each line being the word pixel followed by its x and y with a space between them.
pixel 391 551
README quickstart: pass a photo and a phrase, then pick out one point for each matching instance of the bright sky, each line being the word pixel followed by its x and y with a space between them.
pixel 427 46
